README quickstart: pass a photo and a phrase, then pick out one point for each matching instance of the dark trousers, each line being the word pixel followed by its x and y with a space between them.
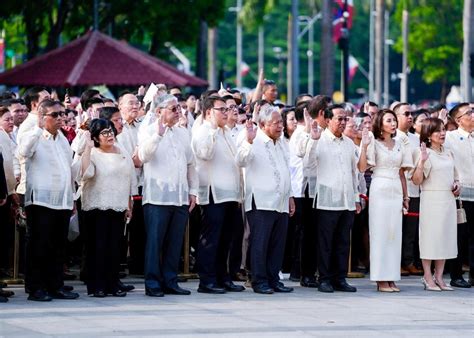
pixel 104 229
pixel 165 226
pixel 46 241
pixel 360 239
pixel 7 235
pixel 309 242
pixel 465 244
pixel 219 221
pixel 136 229
pixel 235 256
pixel 267 242
pixel 410 248
pixel 334 241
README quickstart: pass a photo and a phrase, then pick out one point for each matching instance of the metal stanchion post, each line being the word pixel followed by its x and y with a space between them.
pixel 186 273
pixel 16 258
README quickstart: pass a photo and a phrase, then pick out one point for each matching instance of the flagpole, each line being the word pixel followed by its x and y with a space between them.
pixel 344 46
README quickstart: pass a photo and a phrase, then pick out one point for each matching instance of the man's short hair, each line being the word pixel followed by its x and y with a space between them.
pixel 454 112
pixel 87 95
pixel 299 110
pixel 209 103
pixel 32 95
pixel 265 113
pixel 328 112
pixel 107 112
pixel 91 101
pixel 397 107
pixel 317 104
pixel 371 104
pixel 267 84
pixel 11 102
pixel 299 98
pixel 46 104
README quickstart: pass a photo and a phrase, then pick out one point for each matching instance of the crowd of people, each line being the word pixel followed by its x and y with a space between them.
pixel 309 189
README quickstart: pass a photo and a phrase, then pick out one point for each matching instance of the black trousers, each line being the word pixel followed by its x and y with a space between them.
pixel 410 248
pixel 235 256
pixel 104 230
pixel 7 235
pixel 465 244
pixel 309 240
pixel 46 242
pixel 334 242
pixel 136 229
pixel 219 221
pixel 267 245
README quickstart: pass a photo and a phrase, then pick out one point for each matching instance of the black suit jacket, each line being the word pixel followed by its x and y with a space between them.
pixel 3 181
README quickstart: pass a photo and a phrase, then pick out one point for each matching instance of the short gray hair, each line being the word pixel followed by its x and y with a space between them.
pixel 266 112
pixel 162 101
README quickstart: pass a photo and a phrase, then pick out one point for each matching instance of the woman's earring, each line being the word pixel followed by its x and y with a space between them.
pixel 429 139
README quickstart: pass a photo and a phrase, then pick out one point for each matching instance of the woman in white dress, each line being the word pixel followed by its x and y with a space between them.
pixel 388 158
pixel 436 174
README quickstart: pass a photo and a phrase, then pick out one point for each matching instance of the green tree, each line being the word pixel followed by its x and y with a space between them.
pixel 435 39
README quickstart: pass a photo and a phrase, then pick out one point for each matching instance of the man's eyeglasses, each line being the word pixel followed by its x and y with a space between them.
pixel 55 114
pixel 467 112
pixel 173 109
pixel 107 132
pixel 342 119
pixel 233 107
pixel 221 109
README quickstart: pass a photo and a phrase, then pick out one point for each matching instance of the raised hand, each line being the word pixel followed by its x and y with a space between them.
pixel 366 107
pixel 161 128
pixel 315 131
pixel 443 115
pixel 307 121
pixel 365 137
pixel 88 139
pixel 423 152
pixel 213 120
pixel 261 77
pixel 256 111
pixel 251 131
pixel 141 90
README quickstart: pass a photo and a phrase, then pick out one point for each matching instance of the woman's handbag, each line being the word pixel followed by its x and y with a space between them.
pixel 461 213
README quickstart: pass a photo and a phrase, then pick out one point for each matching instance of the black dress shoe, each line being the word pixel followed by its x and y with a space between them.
pixel 125 287
pixel 67 287
pixel 309 282
pixel 282 288
pixel 460 283
pixel 119 293
pixel 3 299
pixel 5 293
pixel 294 278
pixel 62 294
pixel 325 287
pixel 231 287
pixel 210 288
pixel 263 289
pixel 176 290
pixel 40 296
pixel 154 292
pixel 181 279
pixel 69 276
pixel 99 294
pixel 343 286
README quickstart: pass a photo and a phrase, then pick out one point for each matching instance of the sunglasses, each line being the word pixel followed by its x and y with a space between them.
pixel 342 119
pixel 221 109
pixel 173 109
pixel 55 114
pixel 407 113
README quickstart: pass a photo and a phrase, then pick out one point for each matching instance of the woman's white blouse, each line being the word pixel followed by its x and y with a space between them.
pixel 335 160
pixel 169 166
pixel 267 173
pixel 108 182
pixel 48 169
pixel 218 171
pixel 8 153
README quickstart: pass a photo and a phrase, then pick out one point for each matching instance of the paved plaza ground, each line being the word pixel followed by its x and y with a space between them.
pixel 305 312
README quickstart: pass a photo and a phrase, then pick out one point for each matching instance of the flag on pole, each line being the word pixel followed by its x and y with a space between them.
pixel 338 11
pixel 244 69
pixel 353 66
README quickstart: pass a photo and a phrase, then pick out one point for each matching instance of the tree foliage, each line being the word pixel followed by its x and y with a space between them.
pixel 435 38
pixel 145 23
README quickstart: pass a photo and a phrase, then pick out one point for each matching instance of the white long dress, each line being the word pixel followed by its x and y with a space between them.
pixel 385 208
pixel 438 221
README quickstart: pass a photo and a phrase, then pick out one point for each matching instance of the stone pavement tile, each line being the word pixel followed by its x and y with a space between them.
pixel 305 312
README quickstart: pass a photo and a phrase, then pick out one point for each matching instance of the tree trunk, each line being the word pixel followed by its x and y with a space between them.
pixel 57 27
pixel 212 57
pixel 444 91
pixel 33 28
pixel 327 50
pixel 379 49
pixel 201 50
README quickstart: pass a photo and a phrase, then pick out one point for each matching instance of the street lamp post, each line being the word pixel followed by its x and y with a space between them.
pixel 310 52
